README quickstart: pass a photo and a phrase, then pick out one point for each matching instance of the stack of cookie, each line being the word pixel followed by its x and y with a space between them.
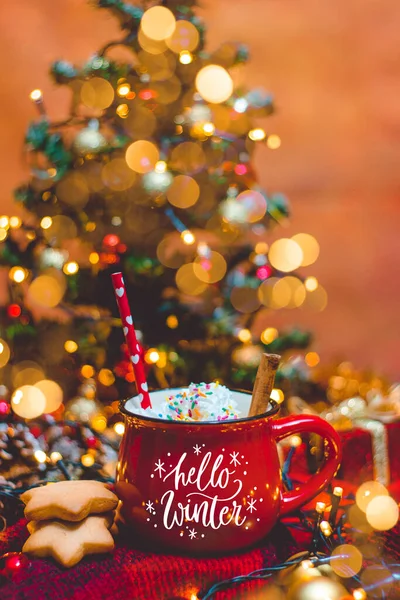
pixel 69 519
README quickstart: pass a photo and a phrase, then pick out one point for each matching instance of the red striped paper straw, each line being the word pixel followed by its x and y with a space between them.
pixel 131 339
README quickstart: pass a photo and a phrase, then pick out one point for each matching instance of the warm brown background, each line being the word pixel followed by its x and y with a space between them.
pixel 334 70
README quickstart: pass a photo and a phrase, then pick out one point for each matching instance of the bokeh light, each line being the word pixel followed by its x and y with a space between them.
pixel 312 359
pixel 5 353
pixel 185 57
pixel 40 456
pixel 106 377
pixel 316 300
pixel 183 192
pixel 117 175
pixel 188 157
pixel 244 335
pixel 273 141
pixel 97 93
pixel 52 393
pixel 28 402
pixel 142 156
pixel 149 45
pixel 17 274
pixel 26 372
pixel 346 560
pixel 71 267
pixel 309 246
pixel 210 269
pixel 367 492
pixel 245 299
pixel 70 346
pixel 119 428
pixel 285 255
pixel 47 290
pixel 256 135
pixel 46 222
pixel 269 335
pixel 158 23
pixel 187 280
pixel 59 228
pixel 15 222
pixel 73 190
pixel 214 84
pixel 382 513
pixel 377 579
pixel 311 284
pixel 185 37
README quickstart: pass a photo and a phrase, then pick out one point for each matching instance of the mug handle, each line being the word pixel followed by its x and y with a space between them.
pixel 294 424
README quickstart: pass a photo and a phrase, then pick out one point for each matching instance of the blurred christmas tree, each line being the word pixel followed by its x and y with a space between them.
pixel 150 174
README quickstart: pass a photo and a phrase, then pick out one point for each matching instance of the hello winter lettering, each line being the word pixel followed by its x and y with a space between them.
pixel 204 505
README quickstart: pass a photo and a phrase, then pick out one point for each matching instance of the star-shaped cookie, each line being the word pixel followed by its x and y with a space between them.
pixel 68 500
pixel 68 543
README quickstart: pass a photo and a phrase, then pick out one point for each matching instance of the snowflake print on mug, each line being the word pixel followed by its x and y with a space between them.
pixel 211 474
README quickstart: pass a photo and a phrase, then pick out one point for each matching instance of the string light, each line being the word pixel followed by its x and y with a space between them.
pixel 119 428
pixel 15 222
pixel 326 528
pixel 277 395
pixel 209 128
pixel 172 322
pixel 188 237
pixel 152 356
pixel 40 456
pixel 160 166
pixel 55 457
pixel 311 284
pixel 17 274
pixel 87 371
pixel 312 359
pixel 240 105
pixel 70 346
pixel 185 57
pixel 3 234
pixel 273 142
pixel 359 594
pixel 122 111
pixel 256 135
pixel 123 89
pixel 94 258
pixel 87 460
pixel 269 335
pixel 46 222
pixel 244 335
pixel 4 222
pixel 71 268
pixel 36 95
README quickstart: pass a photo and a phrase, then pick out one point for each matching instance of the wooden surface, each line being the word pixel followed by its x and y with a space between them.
pixel 334 70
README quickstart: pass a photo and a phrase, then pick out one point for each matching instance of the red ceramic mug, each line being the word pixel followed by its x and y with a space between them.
pixel 211 487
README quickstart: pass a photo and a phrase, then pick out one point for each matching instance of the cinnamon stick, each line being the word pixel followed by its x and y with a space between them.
pixel 264 384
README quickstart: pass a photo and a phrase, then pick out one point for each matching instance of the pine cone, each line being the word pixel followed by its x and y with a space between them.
pixel 17 448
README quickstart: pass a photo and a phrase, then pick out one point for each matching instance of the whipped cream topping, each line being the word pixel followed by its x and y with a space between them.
pixel 198 402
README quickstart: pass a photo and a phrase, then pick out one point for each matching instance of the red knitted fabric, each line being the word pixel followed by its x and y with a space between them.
pixel 131 574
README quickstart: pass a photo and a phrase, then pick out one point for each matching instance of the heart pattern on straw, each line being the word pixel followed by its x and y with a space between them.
pixel 134 349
